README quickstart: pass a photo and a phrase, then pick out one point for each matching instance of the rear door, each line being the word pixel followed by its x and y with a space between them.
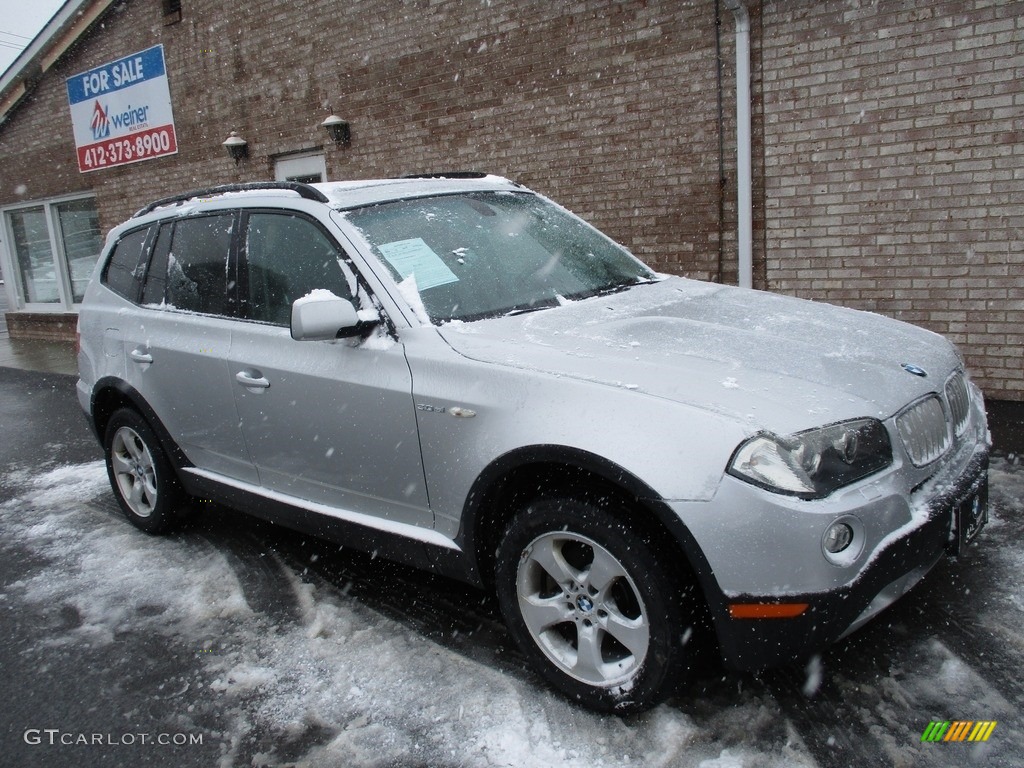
pixel 177 352
pixel 328 422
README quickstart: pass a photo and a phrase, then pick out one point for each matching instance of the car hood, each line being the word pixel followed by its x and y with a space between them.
pixel 769 361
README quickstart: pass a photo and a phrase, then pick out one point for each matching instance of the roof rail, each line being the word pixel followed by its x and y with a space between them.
pixel 303 190
pixel 448 175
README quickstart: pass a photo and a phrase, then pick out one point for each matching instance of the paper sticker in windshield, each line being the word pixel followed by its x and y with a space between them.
pixel 415 257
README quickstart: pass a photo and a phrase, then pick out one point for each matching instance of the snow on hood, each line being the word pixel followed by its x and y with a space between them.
pixel 771 361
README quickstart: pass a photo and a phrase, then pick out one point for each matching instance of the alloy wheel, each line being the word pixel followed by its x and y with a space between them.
pixel 134 471
pixel 583 609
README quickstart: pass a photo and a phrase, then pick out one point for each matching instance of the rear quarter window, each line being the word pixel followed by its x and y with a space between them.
pixel 123 273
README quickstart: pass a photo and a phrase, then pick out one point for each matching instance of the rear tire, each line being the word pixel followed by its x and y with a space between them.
pixel 600 613
pixel 143 480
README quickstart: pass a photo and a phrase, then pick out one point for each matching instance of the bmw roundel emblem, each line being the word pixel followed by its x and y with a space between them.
pixel 914 369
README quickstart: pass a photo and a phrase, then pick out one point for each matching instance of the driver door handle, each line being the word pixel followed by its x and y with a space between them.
pixel 251 380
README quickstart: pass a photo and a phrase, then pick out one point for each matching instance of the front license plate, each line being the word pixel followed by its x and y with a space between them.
pixel 969 517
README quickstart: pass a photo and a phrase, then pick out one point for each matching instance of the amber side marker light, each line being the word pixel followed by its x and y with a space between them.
pixel 766 610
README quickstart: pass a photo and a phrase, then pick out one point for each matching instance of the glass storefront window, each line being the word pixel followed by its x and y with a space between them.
pixel 34 257
pixel 80 236
pixel 43 277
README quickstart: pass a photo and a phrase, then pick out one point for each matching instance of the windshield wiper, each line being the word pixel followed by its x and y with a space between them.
pixel 556 302
pixel 609 289
pixel 524 310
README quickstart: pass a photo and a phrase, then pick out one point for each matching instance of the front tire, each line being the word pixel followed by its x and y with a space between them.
pixel 597 609
pixel 143 480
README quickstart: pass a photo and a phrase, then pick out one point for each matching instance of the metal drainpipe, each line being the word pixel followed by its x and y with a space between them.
pixel 744 200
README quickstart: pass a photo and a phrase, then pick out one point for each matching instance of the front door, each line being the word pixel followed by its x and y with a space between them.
pixel 328 422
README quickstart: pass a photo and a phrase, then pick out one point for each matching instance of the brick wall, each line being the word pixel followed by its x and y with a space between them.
pixel 52 326
pixel 608 107
pixel 886 137
pixel 894 167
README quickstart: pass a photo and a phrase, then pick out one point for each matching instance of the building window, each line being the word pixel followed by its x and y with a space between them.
pixel 172 11
pixel 49 250
pixel 79 227
pixel 308 168
pixel 33 257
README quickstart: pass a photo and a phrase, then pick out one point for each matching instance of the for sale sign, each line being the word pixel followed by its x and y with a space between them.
pixel 121 111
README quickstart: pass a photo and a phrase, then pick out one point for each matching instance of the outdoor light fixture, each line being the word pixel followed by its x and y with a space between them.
pixel 237 146
pixel 337 129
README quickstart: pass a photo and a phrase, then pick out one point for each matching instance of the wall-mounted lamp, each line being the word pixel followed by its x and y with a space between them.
pixel 236 146
pixel 338 130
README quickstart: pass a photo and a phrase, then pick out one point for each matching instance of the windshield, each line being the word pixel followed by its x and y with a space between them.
pixel 471 256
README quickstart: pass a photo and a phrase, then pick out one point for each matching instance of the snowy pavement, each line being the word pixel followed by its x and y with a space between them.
pixel 274 649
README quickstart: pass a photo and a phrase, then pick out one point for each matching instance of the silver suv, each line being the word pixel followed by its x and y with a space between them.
pixel 461 375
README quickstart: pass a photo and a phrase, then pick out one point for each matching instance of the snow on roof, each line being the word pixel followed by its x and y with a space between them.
pixel 352 194
pixel 339 194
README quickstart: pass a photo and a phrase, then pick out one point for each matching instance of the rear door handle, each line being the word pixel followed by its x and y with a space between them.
pixel 251 380
pixel 141 356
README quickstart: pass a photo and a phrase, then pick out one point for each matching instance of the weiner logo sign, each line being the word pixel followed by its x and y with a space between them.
pixel 121 111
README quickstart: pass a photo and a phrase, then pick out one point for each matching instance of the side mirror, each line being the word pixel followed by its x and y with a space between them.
pixel 322 316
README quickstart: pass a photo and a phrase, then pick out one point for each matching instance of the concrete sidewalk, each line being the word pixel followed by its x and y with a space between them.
pixel 37 355
pixel 33 354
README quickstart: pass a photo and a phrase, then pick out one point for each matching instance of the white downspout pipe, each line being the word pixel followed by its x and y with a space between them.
pixel 744 183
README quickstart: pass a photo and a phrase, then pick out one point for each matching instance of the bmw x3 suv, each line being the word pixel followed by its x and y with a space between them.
pixel 461 375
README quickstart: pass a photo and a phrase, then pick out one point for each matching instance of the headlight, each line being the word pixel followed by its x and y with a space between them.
pixel 813 464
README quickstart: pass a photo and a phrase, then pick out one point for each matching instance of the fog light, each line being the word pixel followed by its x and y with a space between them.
pixel 837 538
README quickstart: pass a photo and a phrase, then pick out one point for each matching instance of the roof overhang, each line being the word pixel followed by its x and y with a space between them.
pixel 72 21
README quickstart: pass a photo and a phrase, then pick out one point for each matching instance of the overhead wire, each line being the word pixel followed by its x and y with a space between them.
pixel 15 45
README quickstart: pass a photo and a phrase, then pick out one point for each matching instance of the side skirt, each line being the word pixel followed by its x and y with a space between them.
pixel 411 545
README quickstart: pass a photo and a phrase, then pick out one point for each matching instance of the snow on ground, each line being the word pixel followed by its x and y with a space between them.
pixel 379 692
pixel 305 673
pixel 950 650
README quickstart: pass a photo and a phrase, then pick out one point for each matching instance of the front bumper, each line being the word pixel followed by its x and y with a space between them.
pixel 953 514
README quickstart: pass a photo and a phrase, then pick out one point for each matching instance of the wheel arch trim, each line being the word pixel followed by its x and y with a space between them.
pixel 491 483
pixel 111 393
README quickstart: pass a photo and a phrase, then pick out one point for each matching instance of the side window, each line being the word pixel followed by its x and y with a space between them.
pixel 123 274
pixel 288 256
pixel 190 264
